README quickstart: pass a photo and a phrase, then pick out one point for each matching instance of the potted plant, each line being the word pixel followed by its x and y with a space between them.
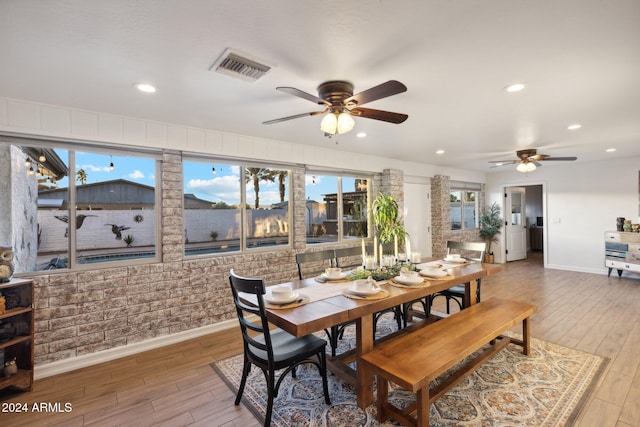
pixel 386 219
pixel 490 225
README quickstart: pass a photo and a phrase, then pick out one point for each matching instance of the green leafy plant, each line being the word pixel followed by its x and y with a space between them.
pixel 128 239
pixel 386 219
pixel 214 235
pixel 490 225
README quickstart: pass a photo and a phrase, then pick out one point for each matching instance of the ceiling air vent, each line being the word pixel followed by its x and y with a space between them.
pixel 235 64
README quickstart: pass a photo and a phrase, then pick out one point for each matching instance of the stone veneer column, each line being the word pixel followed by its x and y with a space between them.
pixel 440 215
pixel 299 214
pixel 172 221
pixel 392 182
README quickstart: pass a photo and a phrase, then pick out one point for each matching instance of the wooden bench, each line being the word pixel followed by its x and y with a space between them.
pixel 412 361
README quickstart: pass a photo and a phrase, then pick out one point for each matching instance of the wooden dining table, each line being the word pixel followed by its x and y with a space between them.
pixel 327 307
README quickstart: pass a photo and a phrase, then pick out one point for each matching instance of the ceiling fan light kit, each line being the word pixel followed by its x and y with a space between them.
pixel 338 123
pixel 526 167
pixel 341 104
pixel 528 160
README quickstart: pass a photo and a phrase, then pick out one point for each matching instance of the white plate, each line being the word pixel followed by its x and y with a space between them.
pixel 342 276
pixel 456 260
pixel 433 272
pixel 373 291
pixel 408 281
pixel 271 300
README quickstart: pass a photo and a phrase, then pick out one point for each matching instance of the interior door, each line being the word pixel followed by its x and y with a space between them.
pixel 515 225
pixel 417 214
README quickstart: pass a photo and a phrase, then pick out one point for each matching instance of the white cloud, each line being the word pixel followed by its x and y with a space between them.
pixel 94 168
pixel 226 188
pixel 136 174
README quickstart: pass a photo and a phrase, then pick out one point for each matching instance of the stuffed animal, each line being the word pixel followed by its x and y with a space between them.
pixel 10 368
pixel 6 266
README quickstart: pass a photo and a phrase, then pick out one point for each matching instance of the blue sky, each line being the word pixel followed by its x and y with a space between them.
pixel 199 179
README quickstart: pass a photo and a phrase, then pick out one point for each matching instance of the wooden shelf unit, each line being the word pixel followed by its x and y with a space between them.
pixel 21 345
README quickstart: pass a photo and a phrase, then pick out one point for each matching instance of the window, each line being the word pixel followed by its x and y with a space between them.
pixel 80 206
pixel 336 208
pixel 464 209
pixel 215 193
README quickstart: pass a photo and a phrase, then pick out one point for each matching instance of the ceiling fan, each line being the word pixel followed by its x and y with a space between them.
pixel 339 101
pixel 529 160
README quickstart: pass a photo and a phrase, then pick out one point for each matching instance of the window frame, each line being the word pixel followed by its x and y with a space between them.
pixel 243 203
pixel 72 146
pixel 464 188
pixel 339 175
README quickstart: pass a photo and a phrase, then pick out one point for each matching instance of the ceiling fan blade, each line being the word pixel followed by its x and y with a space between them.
pixel 504 162
pixel 304 95
pixel 385 116
pixel 559 158
pixel 392 87
pixel 297 116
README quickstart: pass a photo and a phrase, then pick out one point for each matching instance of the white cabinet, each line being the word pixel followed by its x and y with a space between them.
pixel 622 251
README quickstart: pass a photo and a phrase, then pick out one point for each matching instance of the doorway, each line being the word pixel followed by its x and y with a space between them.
pixel 525 225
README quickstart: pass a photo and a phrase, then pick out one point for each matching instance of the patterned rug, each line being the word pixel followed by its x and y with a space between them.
pixel 547 388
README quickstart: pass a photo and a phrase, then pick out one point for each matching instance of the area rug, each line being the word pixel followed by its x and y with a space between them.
pixel 547 388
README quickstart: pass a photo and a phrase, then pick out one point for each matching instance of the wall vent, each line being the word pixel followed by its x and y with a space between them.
pixel 240 65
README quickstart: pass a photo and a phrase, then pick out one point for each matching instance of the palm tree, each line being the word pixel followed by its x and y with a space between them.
pixel 282 176
pixel 256 175
pixel 81 176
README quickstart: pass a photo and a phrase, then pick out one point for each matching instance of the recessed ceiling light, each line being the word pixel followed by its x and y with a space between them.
pixel 610 150
pixel 574 126
pixel 145 87
pixel 516 87
pixel 361 134
pixel 440 152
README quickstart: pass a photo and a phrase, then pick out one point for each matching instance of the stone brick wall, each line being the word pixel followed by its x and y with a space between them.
pixel 83 312
pixel 441 219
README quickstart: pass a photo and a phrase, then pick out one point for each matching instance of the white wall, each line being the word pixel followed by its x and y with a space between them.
pixel 51 121
pixel 582 201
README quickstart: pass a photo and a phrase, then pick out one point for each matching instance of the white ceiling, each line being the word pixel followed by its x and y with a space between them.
pixel 580 60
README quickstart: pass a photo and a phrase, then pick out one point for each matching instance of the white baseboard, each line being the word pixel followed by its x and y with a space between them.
pixel 71 364
pixel 599 270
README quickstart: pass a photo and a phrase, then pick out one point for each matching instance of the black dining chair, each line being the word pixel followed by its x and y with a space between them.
pixel 352 257
pixel 471 251
pixel 314 263
pixel 272 349
pixel 317 262
pixel 349 257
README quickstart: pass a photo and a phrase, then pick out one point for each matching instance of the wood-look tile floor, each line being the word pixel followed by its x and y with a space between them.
pixel 175 386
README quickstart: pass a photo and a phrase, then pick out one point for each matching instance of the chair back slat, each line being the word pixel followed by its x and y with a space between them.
pixel 473 251
pixel 349 257
pixel 313 263
pixel 254 287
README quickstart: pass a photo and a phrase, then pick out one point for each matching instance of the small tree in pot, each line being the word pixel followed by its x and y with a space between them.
pixel 386 219
pixel 490 225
